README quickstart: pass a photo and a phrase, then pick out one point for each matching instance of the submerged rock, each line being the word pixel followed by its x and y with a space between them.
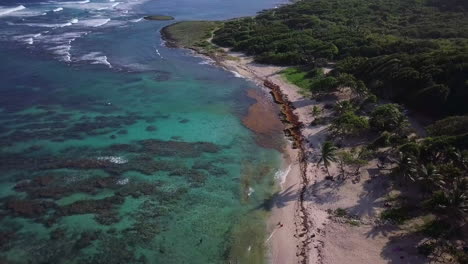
pixel 28 208
pixel 5 238
pixel 91 206
pixel 151 128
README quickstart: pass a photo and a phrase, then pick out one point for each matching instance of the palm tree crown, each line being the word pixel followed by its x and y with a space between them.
pixel 328 155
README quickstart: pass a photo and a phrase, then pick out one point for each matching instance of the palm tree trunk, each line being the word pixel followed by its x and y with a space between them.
pixel 328 172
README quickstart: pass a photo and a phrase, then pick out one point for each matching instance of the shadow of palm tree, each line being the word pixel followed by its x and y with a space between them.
pixel 402 249
pixel 372 197
pixel 382 230
pixel 324 191
pixel 279 199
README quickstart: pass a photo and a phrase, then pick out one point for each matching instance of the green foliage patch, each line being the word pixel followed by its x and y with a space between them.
pixel 190 34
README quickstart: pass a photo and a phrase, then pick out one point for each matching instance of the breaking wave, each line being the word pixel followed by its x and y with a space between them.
pixel 5 10
pixel 136 20
pixel 69 23
pixel 28 39
pixel 62 44
pixel 94 22
pixel 97 58
pixel 281 175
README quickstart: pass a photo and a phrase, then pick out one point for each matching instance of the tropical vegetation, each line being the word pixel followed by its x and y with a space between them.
pixel 410 51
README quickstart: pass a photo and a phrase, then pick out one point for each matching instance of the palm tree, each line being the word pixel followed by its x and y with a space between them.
pixel 328 155
pixel 405 166
pixel 428 175
pixel 454 196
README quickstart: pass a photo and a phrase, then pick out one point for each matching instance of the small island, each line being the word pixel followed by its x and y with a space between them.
pixel 158 17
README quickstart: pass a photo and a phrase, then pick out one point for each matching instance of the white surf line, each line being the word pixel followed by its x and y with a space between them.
pixel 6 11
pixel 272 233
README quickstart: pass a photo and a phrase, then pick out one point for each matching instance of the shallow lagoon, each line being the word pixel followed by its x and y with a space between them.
pixel 138 157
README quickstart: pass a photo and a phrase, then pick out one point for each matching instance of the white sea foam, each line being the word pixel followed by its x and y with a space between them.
pixel 281 175
pixel 251 190
pixel 28 38
pixel 87 5
pixel 20 11
pixel 97 22
pixel 58 9
pixel 97 58
pixel 8 10
pixel 69 23
pixel 128 5
pixel 159 54
pixel 66 37
pixel 63 51
pixel 236 74
pixel 207 61
pixel 61 44
pixel 69 2
pixel 123 181
pixel 107 6
pixel 136 20
pixel 113 159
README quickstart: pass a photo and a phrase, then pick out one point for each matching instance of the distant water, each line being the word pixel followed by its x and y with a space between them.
pixel 116 149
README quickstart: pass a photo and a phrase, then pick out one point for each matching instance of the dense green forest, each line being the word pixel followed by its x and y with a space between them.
pixel 410 51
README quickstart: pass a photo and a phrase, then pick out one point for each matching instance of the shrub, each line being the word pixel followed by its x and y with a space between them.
pixel 349 124
pixel 450 126
pixel 388 117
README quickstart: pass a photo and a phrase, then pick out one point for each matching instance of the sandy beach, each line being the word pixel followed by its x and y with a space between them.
pixel 305 230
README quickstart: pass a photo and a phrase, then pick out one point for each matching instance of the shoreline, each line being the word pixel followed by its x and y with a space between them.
pixel 291 208
pixel 291 242
pixel 291 239
pixel 282 246
pixel 303 226
pixel 294 244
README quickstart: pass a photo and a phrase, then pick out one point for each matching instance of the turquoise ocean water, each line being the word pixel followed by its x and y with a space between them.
pixel 117 149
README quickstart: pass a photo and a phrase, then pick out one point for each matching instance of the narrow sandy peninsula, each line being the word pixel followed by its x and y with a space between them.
pixel 308 223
